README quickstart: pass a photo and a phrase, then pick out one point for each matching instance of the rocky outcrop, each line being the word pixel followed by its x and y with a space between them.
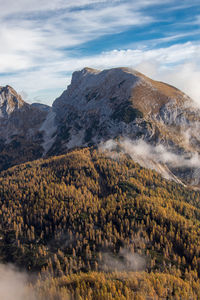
pixel 10 101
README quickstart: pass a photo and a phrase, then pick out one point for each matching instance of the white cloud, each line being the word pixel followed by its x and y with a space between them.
pixel 24 6
pixel 13 284
pixel 145 153
pixel 41 36
pixel 157 158
pixel 36 37
pixel 125 261
pixel 176 65
pixel 185 77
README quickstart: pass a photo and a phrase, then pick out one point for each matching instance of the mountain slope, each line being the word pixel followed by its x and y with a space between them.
pixel 119 285
pixel 85 211
pixel 100 222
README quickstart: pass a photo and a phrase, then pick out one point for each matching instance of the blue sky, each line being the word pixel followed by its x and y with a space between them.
pixel 43 42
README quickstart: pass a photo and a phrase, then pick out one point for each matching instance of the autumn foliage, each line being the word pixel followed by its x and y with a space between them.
pixel 97 227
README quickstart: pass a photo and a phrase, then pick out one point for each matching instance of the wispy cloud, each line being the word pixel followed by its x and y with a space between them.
pixel 39 40
pixel 125 261
pixel 177 65
pixel 41 36
pixel 157 158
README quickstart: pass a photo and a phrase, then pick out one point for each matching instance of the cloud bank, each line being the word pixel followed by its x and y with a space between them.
pixel 157 157
pixel 140 150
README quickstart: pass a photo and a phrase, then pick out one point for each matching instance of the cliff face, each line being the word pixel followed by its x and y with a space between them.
pixel 119 105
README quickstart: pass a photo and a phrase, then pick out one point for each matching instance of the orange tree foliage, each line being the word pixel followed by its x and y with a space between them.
pixel 85 211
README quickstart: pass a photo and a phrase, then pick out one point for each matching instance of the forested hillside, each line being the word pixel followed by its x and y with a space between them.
pixel 89 212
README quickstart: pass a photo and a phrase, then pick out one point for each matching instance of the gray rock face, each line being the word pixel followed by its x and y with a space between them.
pixel 96 107
pixel 111 105
pixel 10 101
pixel 122 103
pixel 20 136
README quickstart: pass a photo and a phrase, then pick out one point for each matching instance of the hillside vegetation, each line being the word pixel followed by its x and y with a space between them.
pixel 101 227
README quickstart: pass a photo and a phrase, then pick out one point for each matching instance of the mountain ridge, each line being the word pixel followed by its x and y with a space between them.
pixel 112 104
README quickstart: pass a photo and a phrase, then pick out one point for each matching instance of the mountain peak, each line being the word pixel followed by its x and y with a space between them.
pixel 89 70
pixel 10 101
pixel 123 84
pixel 122 102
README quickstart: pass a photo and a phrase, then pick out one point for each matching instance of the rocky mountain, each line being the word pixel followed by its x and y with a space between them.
pixel 9 101
pixel 20 135
pixel 123 104
pixel 100 222
pixel 120 109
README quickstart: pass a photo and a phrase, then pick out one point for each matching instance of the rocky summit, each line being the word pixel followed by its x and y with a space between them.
pixel 119 107
pixel 20 122
pixel 98 106
pixel 10 101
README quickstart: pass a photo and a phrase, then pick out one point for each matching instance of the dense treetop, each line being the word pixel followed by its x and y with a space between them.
pixel 86 212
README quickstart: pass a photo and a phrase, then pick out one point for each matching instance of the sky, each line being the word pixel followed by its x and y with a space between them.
pixel 43 42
